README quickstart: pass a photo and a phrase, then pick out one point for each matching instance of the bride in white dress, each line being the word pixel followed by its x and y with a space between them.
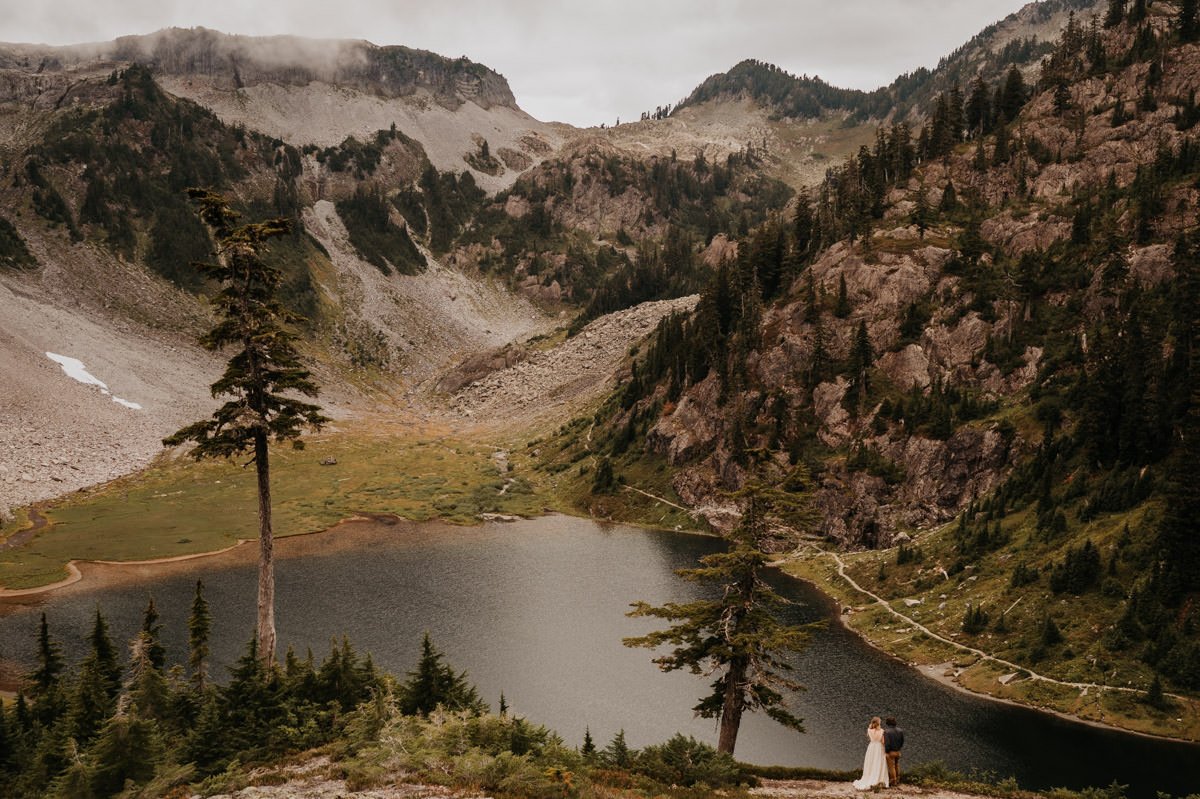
pixel 875 762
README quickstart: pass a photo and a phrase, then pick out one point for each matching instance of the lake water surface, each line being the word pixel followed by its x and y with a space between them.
pixel 535 609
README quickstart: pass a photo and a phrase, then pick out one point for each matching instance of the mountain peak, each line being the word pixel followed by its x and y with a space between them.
pixel 236 61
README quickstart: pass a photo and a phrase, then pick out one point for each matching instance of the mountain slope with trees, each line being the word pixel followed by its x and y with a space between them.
pixel 990 321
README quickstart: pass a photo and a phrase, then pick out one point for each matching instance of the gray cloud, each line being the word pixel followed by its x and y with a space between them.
pixel 580 62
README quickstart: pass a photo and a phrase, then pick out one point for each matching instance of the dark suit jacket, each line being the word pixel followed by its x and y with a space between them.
pixel 893 739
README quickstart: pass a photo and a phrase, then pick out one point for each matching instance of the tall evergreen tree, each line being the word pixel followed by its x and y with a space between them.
pixel 263 376
pixel 199 624
pixel 1013 98
pixel 978 110
pixel 49 661
pixel 155 651
pixel 104 655
pixel 861 359
pixel 740 635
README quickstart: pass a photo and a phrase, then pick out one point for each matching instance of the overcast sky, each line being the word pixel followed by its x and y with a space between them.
pixel 578 62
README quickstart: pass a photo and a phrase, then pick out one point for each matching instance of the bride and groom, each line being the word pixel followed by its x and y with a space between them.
pixel 881 765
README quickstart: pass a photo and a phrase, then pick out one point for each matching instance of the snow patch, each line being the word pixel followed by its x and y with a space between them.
pixel 75 370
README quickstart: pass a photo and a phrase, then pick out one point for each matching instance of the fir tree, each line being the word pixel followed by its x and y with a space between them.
pixel 588 750
pixel 50 663
pixel 93 697
pixel 978 110
pixel 1050 634
pixel 263 377
pixel 103 656
pixel 433 683
pixel 155 651
pixel 1013 98
pixel 618 754
pixel 199 624
pixel 738 636
pixel 842 309
pixel 861 359
pixel 129 749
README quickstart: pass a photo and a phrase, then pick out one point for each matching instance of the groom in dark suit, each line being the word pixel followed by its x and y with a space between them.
pixel 893 742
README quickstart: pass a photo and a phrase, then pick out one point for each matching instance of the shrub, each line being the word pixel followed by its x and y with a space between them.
pixel 683 760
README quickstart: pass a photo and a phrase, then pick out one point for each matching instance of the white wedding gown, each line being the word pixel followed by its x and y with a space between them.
pixel 874 763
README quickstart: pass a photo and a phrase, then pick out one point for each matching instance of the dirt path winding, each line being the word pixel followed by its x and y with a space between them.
pixel 1033 675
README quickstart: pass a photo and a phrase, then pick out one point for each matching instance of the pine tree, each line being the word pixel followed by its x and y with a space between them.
pixel 1013 98
pixel 861 359
pixel 978 110
pixel 433 684
pixel 739 636
pixel 148 691
pixel 842 309
pixel 263 377
pixel 199 623
pixel 104 656
pixel 93 697
pixel 1050 634
pixel 129 749
pixel 155 651
pixel 50 663
pixel 588 750
pixel 618 754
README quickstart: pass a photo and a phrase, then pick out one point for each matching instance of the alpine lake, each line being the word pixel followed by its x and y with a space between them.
pixel 535 609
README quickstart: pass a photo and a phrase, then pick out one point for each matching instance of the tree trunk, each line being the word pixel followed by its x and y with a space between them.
pixel 266 556
pixel 731 709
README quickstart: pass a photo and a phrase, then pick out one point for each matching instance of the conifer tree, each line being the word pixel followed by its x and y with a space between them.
pixel 842 309
pixel 199 624
pixel 861 358
pixel 149 694
pixel 588 750
pixel 93 697
pixel 739 636
pixel 156 653
pixel 262 378
pixel 129 749
pixel 978 110
pixel 433 683
pixel 1013 98
pixel 50 663
pixel 104 656
pixel 618 754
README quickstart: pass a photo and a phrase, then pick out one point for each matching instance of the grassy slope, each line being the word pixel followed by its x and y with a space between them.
pixel 179 507
pixel 943 600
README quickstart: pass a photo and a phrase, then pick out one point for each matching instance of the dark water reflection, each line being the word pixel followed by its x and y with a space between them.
pixel 536 609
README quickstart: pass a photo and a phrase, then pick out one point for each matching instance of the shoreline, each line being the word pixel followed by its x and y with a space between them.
pixel 85 573
pixel 935 672
pixel 79 571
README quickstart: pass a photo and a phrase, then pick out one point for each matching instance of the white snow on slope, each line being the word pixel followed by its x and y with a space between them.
pixel 77 371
